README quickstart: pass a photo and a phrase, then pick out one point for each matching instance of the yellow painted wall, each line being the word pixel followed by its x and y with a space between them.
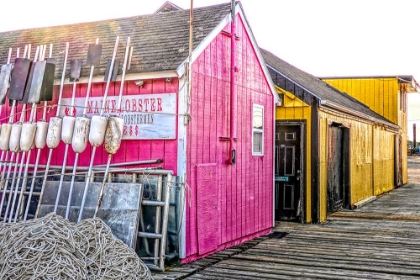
pixel 382 95
pixel 295 109
pixel 379 94
pixel 371 156
pixel 371 153
pixel 383 160
pixel 404 142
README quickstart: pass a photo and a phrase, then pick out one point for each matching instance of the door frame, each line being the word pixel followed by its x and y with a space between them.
pixel 346 168
pixel 302 185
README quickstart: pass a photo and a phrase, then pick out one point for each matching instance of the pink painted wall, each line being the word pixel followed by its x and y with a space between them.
pixel 130 150
pixel 231 202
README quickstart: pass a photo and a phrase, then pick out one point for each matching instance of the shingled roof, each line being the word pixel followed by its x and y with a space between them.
pixel 315 86
pixel 160 41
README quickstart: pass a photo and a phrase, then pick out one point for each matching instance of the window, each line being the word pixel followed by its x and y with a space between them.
pixel 257 130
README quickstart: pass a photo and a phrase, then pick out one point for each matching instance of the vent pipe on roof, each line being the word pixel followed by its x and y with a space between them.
pixel 232 152
pixel 188 70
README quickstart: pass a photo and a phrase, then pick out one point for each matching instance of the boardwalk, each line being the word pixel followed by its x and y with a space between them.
pixel 378 241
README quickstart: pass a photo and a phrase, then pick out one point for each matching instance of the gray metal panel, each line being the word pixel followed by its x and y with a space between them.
pixel 119 208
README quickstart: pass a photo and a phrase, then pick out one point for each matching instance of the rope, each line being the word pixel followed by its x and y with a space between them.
pixel 54 248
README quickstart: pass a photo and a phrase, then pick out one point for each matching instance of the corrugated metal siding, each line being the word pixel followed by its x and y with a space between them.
pixel 295 109
pixel 245 189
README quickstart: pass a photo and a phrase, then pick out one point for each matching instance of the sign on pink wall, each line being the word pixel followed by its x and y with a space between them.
pixel 146 116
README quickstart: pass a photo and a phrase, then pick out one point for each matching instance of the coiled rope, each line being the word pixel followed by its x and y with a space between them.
pixel 54 248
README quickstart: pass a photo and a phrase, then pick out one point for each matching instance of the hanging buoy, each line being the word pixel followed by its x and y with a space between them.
pixel 27 136
pixel 80 134
pixel 67 130
pixel 114 133
pixel 97 130
pixel 15 137
pixel 41 134
pixel 6 129
pixel 54 132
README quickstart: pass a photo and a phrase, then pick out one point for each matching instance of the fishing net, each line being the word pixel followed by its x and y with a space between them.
pixel 54 248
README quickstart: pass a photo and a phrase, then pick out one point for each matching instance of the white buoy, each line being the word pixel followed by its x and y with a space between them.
pixel 27 136
pixel 67 129
pixel 80 134
pixel 97 130
pixel 6 129
pixel 15 137
pixel 54 132
pixel 41 134
pixel 114 133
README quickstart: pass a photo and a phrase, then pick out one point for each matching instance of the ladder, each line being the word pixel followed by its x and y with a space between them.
pixel 161 222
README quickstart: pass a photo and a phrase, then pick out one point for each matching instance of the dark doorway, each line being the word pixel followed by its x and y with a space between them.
pixel 398 161
pixel 338 168
pixel 288 171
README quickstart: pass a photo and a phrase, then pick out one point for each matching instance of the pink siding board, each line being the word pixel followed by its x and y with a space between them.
pixel 244 199
pixel 129 150
pixel 245 189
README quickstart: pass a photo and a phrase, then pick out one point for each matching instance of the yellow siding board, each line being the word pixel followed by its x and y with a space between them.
pixel 387 104
pixel 383 161
pixel 371 95
pixel 371 159
pixel 380 94
pixel 296 109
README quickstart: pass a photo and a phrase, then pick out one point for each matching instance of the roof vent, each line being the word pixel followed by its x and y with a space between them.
pixel 168 7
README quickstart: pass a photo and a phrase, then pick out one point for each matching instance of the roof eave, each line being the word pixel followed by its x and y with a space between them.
pixel 296 83
pixel 128 77
pixel 354 113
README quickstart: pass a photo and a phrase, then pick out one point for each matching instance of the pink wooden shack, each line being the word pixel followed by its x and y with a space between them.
pixel 217 137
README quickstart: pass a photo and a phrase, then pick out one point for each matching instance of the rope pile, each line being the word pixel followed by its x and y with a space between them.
pixel 54 248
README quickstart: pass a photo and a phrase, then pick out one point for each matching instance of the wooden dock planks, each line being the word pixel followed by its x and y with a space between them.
pixel 378 241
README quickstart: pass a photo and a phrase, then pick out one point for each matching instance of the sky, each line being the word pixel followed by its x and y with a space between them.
pixel 321 37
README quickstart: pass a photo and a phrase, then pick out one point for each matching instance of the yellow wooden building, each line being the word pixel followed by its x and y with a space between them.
pixel 387 96
pixel 332 150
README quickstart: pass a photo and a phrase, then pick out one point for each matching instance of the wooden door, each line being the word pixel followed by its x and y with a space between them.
pixel 208 208
pixel 288 171
pixel 338 183
pixel 398 161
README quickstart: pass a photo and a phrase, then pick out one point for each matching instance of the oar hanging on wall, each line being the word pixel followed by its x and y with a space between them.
pixel 27 132
pixel 41 91
pixel 4 86
pixel 114 132
pixel 41 127
pixel 54 132
pixel 17 92
pixel 68 126
pixel 39 88
pixel 18 77
pixel 5 78
pixel 82 124
pixel 98 128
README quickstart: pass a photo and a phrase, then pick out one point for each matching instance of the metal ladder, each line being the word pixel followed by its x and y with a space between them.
pixel 161 222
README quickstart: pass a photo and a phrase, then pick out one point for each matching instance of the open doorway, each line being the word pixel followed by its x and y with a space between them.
pixel 338 167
